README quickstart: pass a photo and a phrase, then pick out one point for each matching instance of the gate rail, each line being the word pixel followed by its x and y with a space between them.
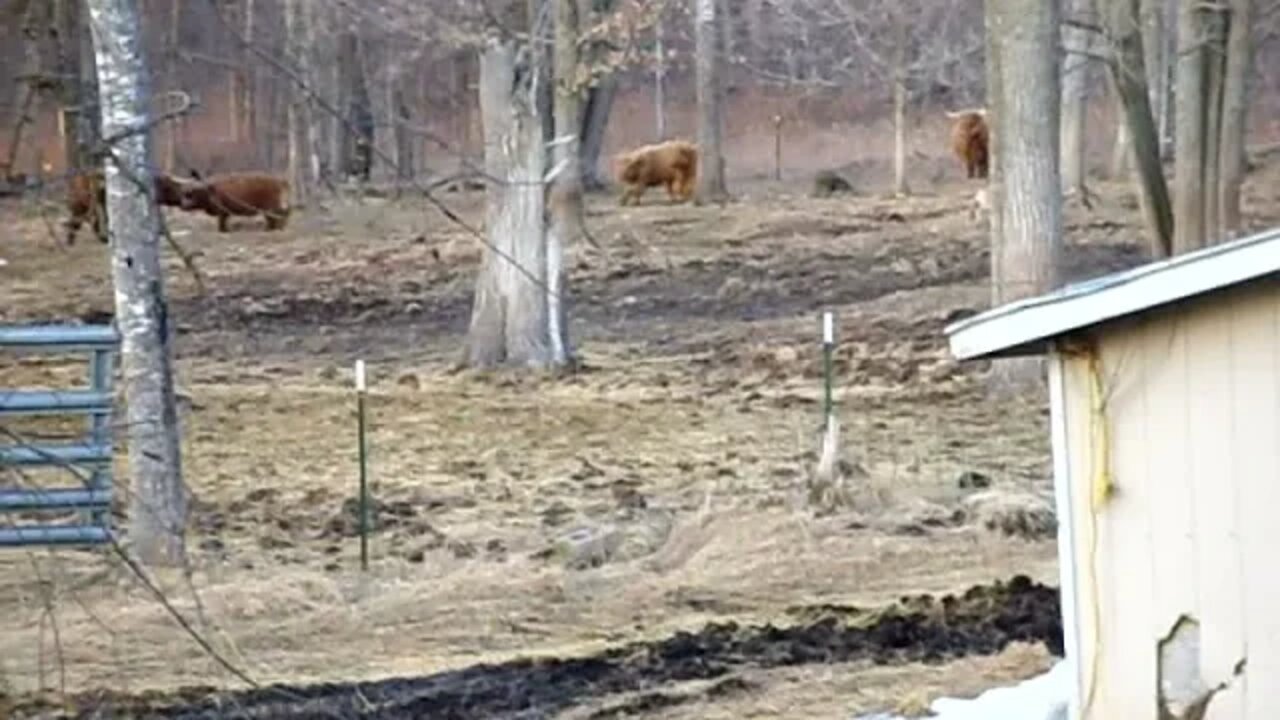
pixel 90 457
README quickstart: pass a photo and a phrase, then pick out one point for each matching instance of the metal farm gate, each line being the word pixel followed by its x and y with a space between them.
pixel 89 459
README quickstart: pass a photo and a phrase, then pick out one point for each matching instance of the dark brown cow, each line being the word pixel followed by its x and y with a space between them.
pixel 239 194
pixel 673 163
pixel 969 141
pixel 87 198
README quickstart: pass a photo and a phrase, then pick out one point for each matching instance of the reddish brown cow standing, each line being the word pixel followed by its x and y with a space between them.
pixel 240 194
pixel 87 197
pixel 969 141
pixel 673 163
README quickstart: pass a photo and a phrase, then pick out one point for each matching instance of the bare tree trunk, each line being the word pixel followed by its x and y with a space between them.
pixel 754 11
pixel 724 16
pixel 1192 130
pixel 78 116
pixel 1215 78
pixel 171 83
pixel 309 109
pixel 541 18
pixel 567 209
pixel 405 165
pixel 358 145
pixel 900 103
pixel 1122 148
pixel 1129 77
pixel 1235 112
pixel 1029 109
pixel 660 84
pixel 326 126
pixel 1075 82
pixel 1155 44
pixel 246 82
pixel 711 180
pixel 298 154
pixel 347 68
pixel 158 509
pixel 28 84
pixel 381 109
pixel 595 121
pixel 995 175
pixel 513 315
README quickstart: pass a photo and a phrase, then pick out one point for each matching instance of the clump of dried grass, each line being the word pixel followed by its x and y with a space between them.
pixel 1013 513
pixel 827 490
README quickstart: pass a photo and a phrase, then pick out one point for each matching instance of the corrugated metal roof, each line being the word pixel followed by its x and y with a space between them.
pixel 1026 326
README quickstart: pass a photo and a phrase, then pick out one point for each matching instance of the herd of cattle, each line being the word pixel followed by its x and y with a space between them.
pixel 225 196
pixel 673 164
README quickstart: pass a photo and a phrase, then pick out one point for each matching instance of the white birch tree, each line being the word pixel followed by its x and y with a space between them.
pixel 158 504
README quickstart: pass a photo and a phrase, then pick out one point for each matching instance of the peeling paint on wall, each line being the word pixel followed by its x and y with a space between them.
pixel 1182 692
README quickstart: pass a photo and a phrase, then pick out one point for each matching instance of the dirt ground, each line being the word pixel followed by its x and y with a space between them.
pixel 680 453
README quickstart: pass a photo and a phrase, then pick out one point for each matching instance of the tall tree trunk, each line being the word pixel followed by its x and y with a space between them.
pixel 1122 147
pixel 1235 112
pixel 754 12
pixel 1215 70
pixel 1075 83
pixel 1029 112
pixel 724 16
pixel 1155 45
pixel 360 138
pixel 310 114
pixel 1191 129
pixel 711 180
pixel 298 147
pixel 995 174
pixel 598 103
pixel 79 88
pixel 27 86
pixel 567 208
pixel 512 315
pixel 1129 78
pixel 405 164
pixel 158 509
pixel 171 83
pixel 595 121
pixel 347 68
pixel 900 102
pixel 660 84
pixel 247 79
pixel 541 16
pixel 462 91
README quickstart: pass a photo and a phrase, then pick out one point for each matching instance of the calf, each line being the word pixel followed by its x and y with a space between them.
pixel 87 197
pixel 673 163
pixel 242 195
pixel 969 141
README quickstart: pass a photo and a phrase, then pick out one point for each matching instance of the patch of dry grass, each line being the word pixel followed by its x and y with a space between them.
pixel 691 435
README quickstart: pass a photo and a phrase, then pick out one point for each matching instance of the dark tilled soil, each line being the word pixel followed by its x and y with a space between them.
pixel 982 621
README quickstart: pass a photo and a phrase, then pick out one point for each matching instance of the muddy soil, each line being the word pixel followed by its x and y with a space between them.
pixel 922 628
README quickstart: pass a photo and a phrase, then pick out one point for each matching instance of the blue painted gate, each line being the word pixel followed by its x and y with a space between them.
pixel 87 460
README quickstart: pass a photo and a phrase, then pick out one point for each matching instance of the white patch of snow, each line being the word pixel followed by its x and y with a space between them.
pixel 1043 697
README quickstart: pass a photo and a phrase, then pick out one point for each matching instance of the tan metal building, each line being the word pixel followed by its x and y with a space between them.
pixel 1165 391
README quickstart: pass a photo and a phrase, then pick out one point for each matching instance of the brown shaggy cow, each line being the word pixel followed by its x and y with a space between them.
pixel 242 195
pixel 87 197
pixel 673 163
pixel 969 141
